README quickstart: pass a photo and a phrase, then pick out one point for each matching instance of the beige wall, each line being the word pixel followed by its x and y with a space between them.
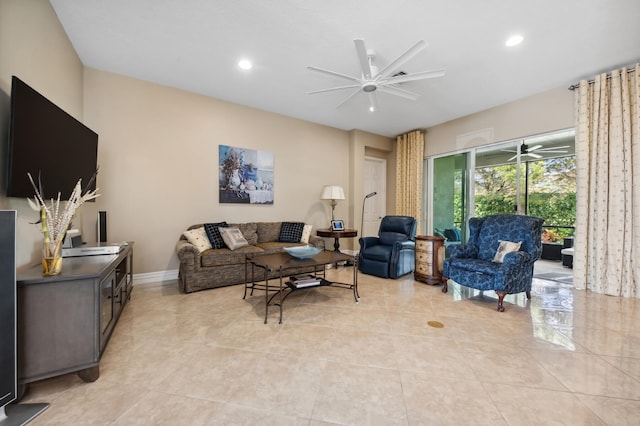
pixel 541 113
pixel 158 147
pixel 158 155
pixel 35 48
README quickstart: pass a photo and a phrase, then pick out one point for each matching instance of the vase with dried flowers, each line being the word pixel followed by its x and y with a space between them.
pixel 55 219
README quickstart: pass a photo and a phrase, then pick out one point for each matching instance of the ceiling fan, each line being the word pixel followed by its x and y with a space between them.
pixel 373 80
pixel 526 151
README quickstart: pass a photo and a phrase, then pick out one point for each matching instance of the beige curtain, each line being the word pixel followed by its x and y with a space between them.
pixel 607 242
pixel 409 165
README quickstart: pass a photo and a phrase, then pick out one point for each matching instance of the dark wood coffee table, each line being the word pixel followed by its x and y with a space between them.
pixel 283 264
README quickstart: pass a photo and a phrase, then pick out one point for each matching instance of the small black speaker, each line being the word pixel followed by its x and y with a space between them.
pixel 102 226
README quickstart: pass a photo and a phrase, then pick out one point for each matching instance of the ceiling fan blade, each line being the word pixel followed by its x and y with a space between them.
pixel 373 103
pixel 414 76
pixel 351 86
pixel 544 151
pixel 533 148
pixel 553 148
pixel 400 60
pixel 335 74
pixel 528 154
pixel 399 92
pixel 364 58
pixel 348 98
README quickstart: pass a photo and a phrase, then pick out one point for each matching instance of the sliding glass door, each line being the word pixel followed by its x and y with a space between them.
pixel 499 178
pixel 534 176
pixel 450 195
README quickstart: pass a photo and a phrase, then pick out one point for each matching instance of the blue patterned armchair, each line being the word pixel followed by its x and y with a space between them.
pixel 472 264
pixel 392 253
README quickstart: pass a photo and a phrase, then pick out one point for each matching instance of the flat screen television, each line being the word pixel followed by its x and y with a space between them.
pixel 46 141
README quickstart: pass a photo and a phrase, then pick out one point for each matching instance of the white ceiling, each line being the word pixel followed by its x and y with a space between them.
pixel 195 45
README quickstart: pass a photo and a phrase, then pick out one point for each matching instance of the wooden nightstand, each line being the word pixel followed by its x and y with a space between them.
pixel 429 258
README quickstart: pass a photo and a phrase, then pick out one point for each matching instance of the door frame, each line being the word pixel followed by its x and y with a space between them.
pixel 379 201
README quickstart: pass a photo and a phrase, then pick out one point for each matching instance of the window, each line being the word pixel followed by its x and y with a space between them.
pixel 534 176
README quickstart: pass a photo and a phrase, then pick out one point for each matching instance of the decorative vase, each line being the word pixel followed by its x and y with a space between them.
pixel 55 220
pixel 51 260
pixel 235 179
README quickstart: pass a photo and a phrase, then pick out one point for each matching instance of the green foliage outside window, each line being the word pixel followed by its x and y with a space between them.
pixel 551 192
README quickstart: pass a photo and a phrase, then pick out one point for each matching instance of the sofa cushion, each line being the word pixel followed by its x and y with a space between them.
pixel 224 256
pixel 306 234
pixel 268 231
pixel 249 231
pixel 214 234
pixel 233 238
pixel 503 227
pixel 198 237
pixel 378 252
pixel 291 232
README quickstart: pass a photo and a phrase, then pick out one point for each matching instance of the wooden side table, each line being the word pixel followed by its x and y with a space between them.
pixel 429 258
pixel 328 233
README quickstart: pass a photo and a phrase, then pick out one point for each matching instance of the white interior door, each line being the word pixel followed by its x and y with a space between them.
pixel 374 209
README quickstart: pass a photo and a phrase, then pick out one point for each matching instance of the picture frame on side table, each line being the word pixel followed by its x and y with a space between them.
pixel 337 225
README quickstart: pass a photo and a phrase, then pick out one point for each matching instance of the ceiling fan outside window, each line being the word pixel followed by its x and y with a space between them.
pixel 537 151
pixel 373 80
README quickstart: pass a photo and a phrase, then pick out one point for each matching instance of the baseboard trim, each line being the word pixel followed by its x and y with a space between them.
pixel 154 277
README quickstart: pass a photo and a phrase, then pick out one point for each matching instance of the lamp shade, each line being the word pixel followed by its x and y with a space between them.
pixel 332 192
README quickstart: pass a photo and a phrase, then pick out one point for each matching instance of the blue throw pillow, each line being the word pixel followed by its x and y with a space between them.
pixel 213 233
pixel 291 232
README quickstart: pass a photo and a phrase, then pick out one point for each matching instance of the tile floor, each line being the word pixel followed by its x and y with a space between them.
pixel 565 357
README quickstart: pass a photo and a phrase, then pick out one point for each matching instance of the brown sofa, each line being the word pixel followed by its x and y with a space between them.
pixel 223 267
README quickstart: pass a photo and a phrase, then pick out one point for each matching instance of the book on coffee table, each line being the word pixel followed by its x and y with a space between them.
pixel 302 281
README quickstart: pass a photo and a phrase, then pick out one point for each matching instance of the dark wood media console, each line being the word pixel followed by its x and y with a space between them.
pixel 65 322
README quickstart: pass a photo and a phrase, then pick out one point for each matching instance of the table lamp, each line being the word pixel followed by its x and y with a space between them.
pixel 333 193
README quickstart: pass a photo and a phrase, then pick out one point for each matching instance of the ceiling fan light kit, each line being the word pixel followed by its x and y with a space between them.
pixel 386 80
pixel 369 87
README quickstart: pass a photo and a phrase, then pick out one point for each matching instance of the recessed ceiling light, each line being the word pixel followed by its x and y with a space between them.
pixel 514 40
pixel 372 109
pixel 245 64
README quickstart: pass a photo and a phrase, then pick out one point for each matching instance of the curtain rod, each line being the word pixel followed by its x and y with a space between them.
pixel 630 69
pixel 423 131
